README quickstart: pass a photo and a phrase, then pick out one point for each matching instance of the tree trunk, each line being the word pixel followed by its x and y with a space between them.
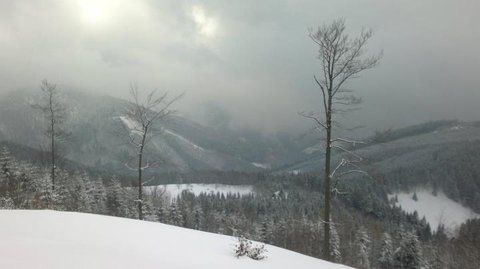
pixel 328 151
pixel 52 125
pixel 140 185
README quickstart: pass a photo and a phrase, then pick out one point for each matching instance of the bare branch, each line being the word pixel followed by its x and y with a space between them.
pixel 341 59
pixel 141 118
pixel 311 116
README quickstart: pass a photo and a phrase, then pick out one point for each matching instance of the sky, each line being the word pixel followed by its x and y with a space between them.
pixel 252 59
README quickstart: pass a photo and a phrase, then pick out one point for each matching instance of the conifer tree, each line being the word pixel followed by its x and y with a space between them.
pixel 408 255
pixel 197 218
pixel 115 200
pixel 386 252
pixel 362 242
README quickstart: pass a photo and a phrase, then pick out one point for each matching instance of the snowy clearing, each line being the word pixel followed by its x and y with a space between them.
pixel 46 239
pixel 176 189
pixel 437 209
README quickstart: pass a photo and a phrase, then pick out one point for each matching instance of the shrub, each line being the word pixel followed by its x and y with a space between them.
pixel 245 247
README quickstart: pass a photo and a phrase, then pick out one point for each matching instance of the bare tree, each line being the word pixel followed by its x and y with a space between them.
pixel 342 59
pixel 141 122
pixel 55 114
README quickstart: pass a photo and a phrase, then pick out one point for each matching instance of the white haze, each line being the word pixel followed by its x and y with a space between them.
pixel 253 58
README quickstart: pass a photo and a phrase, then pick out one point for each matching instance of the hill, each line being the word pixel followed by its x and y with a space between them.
pixel 50 239
pixel 438 155
pixel 98 140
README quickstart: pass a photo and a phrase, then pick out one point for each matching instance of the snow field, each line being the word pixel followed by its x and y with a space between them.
pixel 437 209
pixel 175 190
pixel 46 239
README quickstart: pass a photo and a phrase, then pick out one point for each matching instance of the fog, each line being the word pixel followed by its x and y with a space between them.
pixel 252 59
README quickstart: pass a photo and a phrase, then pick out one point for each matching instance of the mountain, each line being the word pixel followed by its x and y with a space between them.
pixel 440 155
pixel 50 239
pixel 98 139
pixel 409 146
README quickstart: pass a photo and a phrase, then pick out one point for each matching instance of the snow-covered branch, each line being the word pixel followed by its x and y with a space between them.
pixel 129 167
pixel 360 158
pixel 353 142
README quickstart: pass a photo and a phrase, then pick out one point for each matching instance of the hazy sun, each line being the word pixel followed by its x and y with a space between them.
pixel 93 12
pixel 206 25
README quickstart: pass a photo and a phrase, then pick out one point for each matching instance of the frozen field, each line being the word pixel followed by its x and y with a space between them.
pixel 436 209
pixel 174 190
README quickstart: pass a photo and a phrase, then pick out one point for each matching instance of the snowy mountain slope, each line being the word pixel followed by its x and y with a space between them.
pixel 437 209
pixel 58 240
pixel 442 154
pixel 409 150
pixel 95 124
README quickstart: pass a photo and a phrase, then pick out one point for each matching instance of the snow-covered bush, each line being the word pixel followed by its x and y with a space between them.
pixel 245 247
pixel 257 252
pixel 6 203
pixel 242 246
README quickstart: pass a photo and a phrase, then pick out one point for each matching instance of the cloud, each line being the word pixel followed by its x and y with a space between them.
pixel 251 57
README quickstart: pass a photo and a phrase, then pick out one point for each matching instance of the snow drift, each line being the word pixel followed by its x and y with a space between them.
pixel 50 239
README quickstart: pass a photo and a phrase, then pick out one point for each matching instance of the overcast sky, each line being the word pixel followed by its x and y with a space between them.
pixel 252 57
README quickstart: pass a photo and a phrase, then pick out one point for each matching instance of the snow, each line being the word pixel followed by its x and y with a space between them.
pixel 261 165
pixel 132 125
pixel 56 240
pixel 437 209
pixel 183 139
pixel 176 189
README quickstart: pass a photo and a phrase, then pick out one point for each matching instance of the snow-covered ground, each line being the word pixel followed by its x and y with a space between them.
pixel 56 240
pixel 437 209
pixel 174 190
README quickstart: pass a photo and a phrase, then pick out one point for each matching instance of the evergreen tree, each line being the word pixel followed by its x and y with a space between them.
pixel 265 231
pixel 386 252
pixel 116 203
pixel 175 216
pixel 197 218
pixel 162 214
pixel 362 241
pixel 408 254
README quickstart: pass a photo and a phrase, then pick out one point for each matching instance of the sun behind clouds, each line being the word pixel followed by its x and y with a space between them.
pixel 206 25
pixel 93 12
pixel 102 14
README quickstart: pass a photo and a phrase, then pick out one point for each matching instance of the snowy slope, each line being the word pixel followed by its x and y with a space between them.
pixel 408 151
pixel 49 239
pixel 99 141
pixel 437 209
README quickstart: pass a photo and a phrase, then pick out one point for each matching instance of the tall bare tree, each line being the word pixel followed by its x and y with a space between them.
pixel 54 111
pixel 342 58
pixel 142 118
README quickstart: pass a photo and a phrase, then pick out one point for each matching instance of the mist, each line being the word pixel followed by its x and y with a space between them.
pixel 252 60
